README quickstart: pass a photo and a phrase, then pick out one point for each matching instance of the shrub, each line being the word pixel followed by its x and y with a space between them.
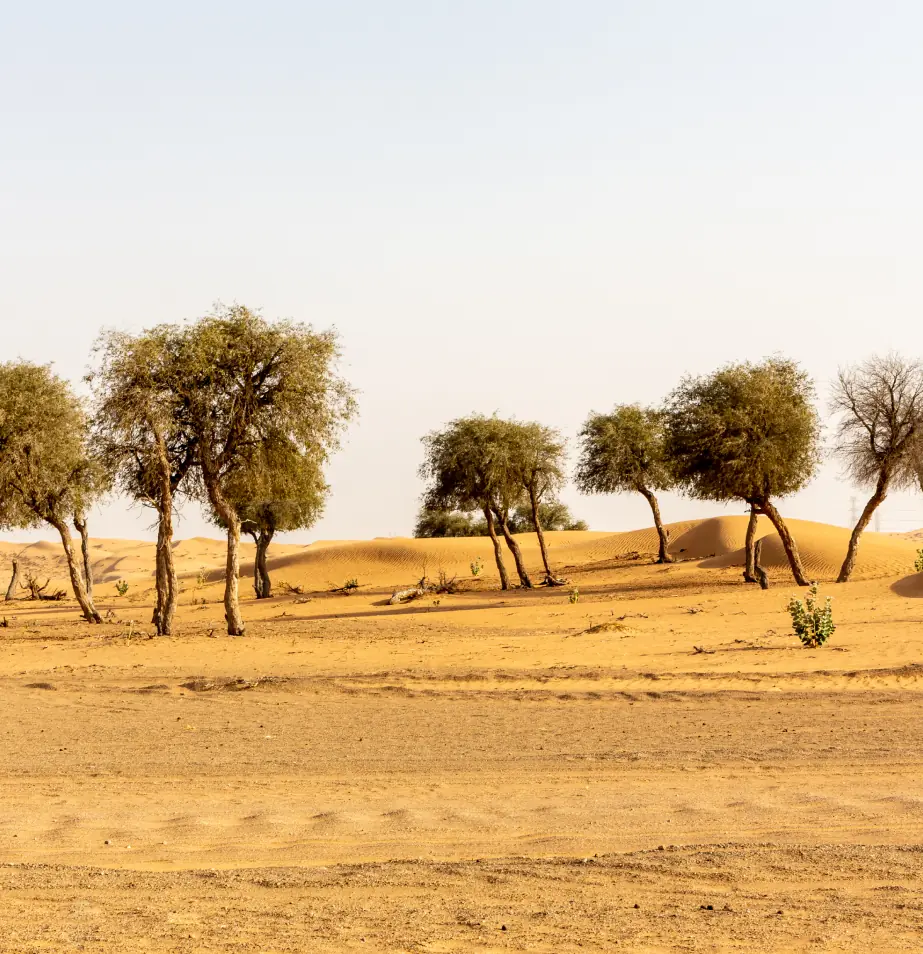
pixel 574 595
pixel 476 567
pixel 918 563
pixel 813 624
pixel 121 587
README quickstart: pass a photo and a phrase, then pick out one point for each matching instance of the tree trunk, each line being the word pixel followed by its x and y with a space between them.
pixel 533 502
pixel 758 571
pixel 517 553
pixel 881 491
pixel 498 553
pixel 13 588
pixel 749 548
pixel 788 541
pixel 80 524
pixel 261 568
pixel 85 601
pixel 167 589
pixel 232 573
pixel 662 556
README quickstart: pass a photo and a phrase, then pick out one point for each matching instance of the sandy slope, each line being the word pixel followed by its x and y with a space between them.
pixel 357 776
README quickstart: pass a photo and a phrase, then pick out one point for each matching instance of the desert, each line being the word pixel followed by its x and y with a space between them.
pixel 658 766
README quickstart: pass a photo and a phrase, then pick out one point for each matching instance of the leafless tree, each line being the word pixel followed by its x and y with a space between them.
pixel 880 407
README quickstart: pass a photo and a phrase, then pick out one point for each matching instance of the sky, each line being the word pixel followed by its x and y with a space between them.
pixel 529 207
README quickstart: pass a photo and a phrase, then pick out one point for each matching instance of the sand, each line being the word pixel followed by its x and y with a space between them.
pixel 659 766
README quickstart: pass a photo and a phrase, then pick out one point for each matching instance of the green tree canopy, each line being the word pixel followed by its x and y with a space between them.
pixel 47 474
pixel 623 452
pixel 747 431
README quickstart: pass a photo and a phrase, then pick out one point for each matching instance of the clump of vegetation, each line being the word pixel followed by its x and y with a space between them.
pixel 918 563
pixel 813 624
pixel 574 596
pixel 476 567
pixel 121 587
pixel 347 589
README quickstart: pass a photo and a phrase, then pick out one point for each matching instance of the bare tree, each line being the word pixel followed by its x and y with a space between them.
pixel 13 589
pixel 880 407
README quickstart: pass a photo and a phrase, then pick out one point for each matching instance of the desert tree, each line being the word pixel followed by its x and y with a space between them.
pixel 447 523
pixel 242 382
pixel 623 452
pixel 46 471
pixel 141 440
pixel 553 515
pixel 879 404
pixel 750 432
pixel 537 464
pixel 465 466
pixel 276 487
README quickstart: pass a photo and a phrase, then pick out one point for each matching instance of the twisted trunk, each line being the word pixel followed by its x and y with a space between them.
pixel 767 507
pixel 662 556
pixel 881 491
pixel 498 553
pixel 533 503
pixel 13 588
pixel 85 601
pixel 80 524
pixel 517 553
pixel 749 548
pixel 261 567
pixel 758 571
pixel 166 585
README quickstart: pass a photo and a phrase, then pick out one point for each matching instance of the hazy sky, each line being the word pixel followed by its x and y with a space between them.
pixel 535 208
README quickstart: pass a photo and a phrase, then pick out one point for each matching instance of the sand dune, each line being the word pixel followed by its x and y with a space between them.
pixel 717 542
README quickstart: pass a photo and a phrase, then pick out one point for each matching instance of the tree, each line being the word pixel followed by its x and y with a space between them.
pixel 880 404
pixel 748 431
pixel 466 466
pixel 623 452
pixel 245 383
pixel 46 472
pixel 141 439
pixel 276 488
pixel 447 523
pixel 537 463
pixel 553 515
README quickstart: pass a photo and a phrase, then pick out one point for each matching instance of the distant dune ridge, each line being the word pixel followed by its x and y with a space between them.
pixel 716 542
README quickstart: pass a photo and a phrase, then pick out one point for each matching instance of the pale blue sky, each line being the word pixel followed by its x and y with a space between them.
pixel 535 208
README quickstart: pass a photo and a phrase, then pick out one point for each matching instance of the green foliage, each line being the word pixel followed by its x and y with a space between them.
pixel 447 523
pixel 121 587
pixel 813 624
pixel 574 596
pixel 746 431
pixel 553 515
pixel 476 567
pixel 918 563
pixel 623 451
pixel 46 471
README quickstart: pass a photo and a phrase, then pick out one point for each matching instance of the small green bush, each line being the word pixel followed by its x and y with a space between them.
pixel 813 624
pixel 121 587
pixel 918 563
pixel 476 567
pixel 574 595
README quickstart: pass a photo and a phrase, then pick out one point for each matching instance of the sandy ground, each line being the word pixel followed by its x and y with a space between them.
pixel 489 772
